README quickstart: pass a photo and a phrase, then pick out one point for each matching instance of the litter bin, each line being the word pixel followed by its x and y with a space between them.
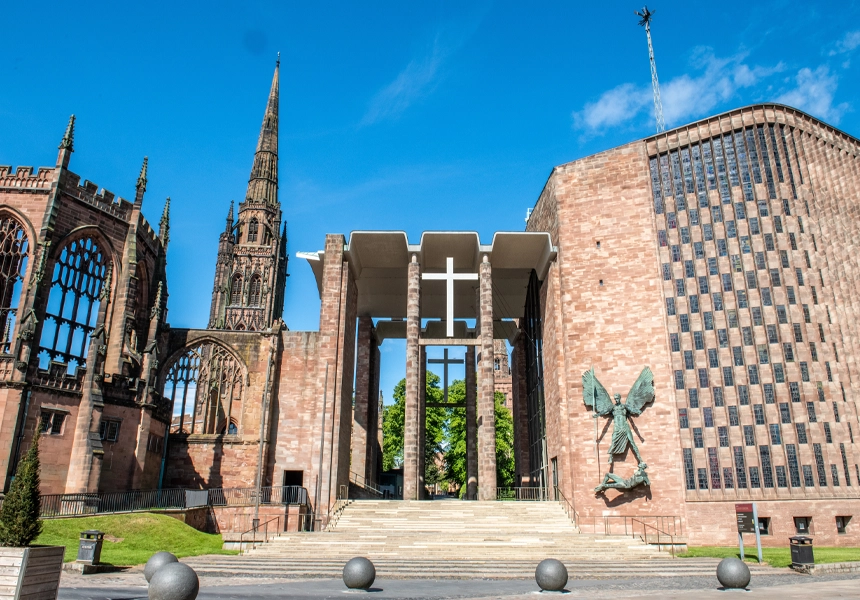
pixel 801 550
pixel 90 547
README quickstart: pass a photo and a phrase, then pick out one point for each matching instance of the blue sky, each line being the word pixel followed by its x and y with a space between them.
pixel 412 116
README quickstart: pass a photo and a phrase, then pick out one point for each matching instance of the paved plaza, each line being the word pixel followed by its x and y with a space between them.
pixel 782 585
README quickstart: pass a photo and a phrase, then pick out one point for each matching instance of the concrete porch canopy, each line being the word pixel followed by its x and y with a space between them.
pixel 379 261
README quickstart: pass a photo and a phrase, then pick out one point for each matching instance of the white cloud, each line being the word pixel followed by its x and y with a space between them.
pixel 849 42
pixel 422 74
pixel 612 108
pixel 713 82
pixel 814 94
pixel 413 82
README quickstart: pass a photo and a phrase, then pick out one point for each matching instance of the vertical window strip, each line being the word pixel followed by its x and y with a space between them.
pixel 845 465
pixel 714 466
pixel 766 468
pixel 776 159
pixel 689 469
pixel 688 171
pixel 677 178
pixel 788 161
pixel 771 188
pixel 819 465
pixel 655 187
pixel 725 196
pixel 746 180
pixel 793 467
pixel 730 159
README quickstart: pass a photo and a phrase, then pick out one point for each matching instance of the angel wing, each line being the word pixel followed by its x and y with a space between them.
pixel 595 395
pixel 641 393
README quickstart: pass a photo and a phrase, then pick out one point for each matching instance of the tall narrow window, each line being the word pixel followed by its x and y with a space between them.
pixel 73 304
pixel 14 251
pixel 253 228
pixel 203 385
pixel 256 292
pixel 236 290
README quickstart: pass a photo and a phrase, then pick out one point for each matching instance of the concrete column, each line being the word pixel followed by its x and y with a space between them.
pixel 361 425
pixel 411 423
pixel 374 411
pixel 520 415
pixel 486 391
pixel 422 422
pixel 471 426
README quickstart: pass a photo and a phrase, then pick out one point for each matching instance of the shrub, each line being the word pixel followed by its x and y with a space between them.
pixel 19 515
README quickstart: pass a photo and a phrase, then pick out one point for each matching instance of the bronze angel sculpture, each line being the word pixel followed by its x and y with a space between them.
pixel 597 399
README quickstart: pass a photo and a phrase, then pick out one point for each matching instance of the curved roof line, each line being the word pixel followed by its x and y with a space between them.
pixel 748 107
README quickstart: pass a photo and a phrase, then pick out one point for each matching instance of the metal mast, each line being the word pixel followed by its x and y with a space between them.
pixel 655 84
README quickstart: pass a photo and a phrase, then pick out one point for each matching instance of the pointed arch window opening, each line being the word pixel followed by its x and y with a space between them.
pixel 253 228
pixel 14 255
pixel 236 290
pixel 73 304
pixel 256 291
pixel 203 384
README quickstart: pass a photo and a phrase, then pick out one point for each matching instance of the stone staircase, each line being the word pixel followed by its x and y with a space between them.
pixel 452 539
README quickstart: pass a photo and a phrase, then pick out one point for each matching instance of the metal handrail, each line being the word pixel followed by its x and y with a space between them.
pixel 72 505
pixel 568 507
pixel 354 478
pixel 659 545
pixel 340 503
pixel 608 524
pixel 255 529
pixel 538 494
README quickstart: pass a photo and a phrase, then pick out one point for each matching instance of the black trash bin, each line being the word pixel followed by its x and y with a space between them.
pixel 801 550
pixel 90 547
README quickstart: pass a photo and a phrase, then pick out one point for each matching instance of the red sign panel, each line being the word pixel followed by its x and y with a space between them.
pixel 743 508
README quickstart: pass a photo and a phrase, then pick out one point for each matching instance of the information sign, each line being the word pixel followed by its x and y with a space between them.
pixel 745 518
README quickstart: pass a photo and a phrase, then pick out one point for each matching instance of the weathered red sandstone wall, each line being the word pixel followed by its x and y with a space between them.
pixel 297 412
pixel 714 523
pixel 604 308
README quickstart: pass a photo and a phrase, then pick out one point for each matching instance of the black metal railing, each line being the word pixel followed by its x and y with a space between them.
pixel 532 494
pixel 73 505
pixel 567 505
pixel 362 482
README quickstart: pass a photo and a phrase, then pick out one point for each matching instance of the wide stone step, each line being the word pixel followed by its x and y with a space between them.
pixel 299 567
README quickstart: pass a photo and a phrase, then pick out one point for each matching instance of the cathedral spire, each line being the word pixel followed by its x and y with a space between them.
pixel 164 224
pixel 140 187
pixel 229 228
pixel 263 183
pixel 67 145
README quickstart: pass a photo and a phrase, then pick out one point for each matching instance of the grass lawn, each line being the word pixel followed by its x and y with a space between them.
pixel 776 557
pixel 131 539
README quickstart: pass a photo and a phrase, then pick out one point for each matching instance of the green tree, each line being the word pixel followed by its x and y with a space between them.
pixel 19 515
pixel 393 417
pixel 455 458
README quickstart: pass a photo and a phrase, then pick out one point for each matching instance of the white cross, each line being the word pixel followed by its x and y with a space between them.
pixel 445 362
pixel 449 276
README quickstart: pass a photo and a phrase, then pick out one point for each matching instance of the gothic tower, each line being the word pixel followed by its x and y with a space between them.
pixel 251 269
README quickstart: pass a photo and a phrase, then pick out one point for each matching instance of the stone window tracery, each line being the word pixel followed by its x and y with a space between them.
pixel 205 386
pixel 256 291
pixel 73 304
pixel 253 228
pixel 236 290
pixel 14 252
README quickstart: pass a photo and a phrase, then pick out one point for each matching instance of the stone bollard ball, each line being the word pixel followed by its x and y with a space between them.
pixel 155 562
pixel 551 575
pixel 733 573
pixel 359 573
pixel 174 581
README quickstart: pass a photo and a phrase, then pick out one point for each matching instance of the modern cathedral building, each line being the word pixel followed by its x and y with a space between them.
pixel 721 255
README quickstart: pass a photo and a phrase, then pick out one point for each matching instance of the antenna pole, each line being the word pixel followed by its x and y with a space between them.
pixel 655 84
